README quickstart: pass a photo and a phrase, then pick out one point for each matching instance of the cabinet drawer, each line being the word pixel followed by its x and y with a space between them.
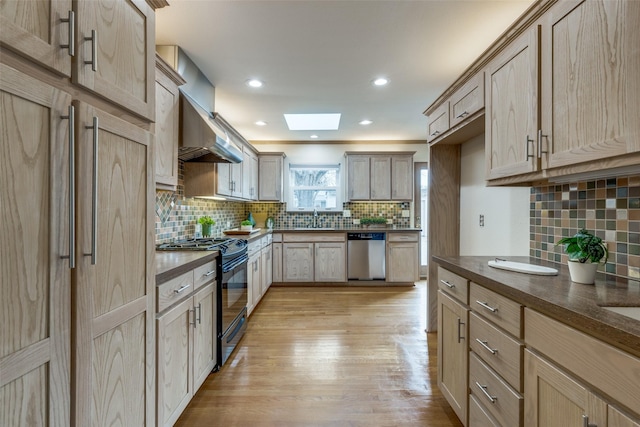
pixel 499 309
pixel 454 285
pixel 174 290
pixel 467 100
pixel 438 122
pixel 314 237
pixel 254 247
pixel 478 416
pixel 276 237
pixel 402 237
pixel 497 349
pixel 204 274
pixel 500 400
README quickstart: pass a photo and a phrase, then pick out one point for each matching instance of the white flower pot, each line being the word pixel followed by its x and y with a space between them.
pixel 583 272
pixel 246 227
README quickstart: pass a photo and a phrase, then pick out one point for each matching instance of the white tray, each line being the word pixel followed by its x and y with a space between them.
pixel 522 267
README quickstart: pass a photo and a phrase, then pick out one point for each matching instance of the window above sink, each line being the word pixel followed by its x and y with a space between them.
pixel 314 188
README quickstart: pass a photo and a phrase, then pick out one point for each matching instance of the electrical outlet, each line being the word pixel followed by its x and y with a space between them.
pixel 481 222
pixel 228 224
pixel 406 213
pixel 389 221
pixel 356 221
pixel 346 213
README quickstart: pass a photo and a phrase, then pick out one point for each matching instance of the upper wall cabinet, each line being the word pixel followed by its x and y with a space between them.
pixel 167 125
pixel 587 96
pixel 270 176
pixel 381 176
pixel 41 30
pixel 115 52
pixel 438 122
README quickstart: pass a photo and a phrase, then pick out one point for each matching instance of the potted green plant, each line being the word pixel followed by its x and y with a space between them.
pixel 586 252
pixel 376 221
pixel 246 225
pixel 206 222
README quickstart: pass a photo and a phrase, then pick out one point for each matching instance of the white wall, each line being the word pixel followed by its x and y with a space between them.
pixel 505 209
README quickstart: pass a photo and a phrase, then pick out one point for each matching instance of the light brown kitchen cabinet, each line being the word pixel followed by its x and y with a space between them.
pixel 380 176
pixel 330 262
pixel 358 181
pixel 249 174
pixel 254 277
pixel 297 262
pixel 511 108
pixel 402 257
pixel 438 122
pixel 39 30
pixel 453 353
pixel 589 81
pixel 166 128
pixel 186 347
pixel 266 259
pixel 228 179
pixel 402 177
pixel 36 272
pixel 467 100
pixel 116 52
pixel 114 288
pixel 277 256
pixel 270 176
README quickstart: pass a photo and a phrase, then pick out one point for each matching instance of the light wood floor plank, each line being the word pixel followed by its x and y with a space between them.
pixel 329 357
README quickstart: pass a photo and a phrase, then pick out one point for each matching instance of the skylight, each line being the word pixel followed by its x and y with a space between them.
pixel 313 121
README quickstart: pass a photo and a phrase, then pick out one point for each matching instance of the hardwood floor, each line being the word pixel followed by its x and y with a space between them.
pixel 356 356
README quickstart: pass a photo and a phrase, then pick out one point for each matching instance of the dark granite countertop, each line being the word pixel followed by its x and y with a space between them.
pixel 344 230
pixel 577 305
pixel 170 264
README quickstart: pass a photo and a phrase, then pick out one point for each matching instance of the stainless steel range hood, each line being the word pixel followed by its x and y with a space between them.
pixel 202 138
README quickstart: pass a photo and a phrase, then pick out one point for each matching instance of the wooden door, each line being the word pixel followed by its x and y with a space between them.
pixel 358 179
pixel 512 109
pixel 402 262
pixel 36 276
pixel 175 361
pixel 402 178
pixel 204 334
pixel 380 177
pixel 330 262
pixel 270 177
pixel 554 399
pixel 114 284
pixel 277 262
pixel 297 262
pixel 116 52
pixel 166 128
pixel 453 353
pixel 587 58
pixel 36 29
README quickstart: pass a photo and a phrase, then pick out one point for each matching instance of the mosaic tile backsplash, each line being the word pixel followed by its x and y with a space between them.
pixel 609 208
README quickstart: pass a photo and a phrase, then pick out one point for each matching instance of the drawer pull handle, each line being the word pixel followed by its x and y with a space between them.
pixel 461 115
pixel 486 346
pixel 527 155
pixel 94 50
pixel 209 273
pixel 460 337
pixel 435 132
pixel 71 19
pixel 483 389
pixel 487 306
pixel 182 288
pixel 447 284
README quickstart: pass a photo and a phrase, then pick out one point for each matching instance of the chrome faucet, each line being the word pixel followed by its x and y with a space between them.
pixel 315 218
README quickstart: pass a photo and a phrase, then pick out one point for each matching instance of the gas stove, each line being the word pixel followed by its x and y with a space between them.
pixel 227 246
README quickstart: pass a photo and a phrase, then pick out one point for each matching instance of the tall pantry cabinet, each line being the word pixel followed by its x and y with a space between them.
pixel 77 97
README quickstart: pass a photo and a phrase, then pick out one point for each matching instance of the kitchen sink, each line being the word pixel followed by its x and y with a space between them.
pixel 633 312
pixel 314 228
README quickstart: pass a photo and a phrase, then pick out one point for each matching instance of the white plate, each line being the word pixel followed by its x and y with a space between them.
pixel 522 267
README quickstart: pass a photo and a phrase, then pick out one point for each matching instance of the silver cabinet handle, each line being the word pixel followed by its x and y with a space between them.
pixel 447 284
pixel 72 188
pixel 94 200
pixel 182 288
pixel 461 115
pixel 435 132
pixel 586 423
pixel 486 346
pixel 526 145
pixel 209 273
pixel 94 50
pixel 540 136
pixel 72 33
pixel 199 317
pixel 483 388
pixel 194 323
pixel 460 337
pixel 487 306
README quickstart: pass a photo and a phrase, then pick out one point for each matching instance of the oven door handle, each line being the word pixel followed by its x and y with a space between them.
pixel 234 263
pixel 235 331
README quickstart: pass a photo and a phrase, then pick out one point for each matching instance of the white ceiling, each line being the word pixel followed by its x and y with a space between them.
pixel 319 56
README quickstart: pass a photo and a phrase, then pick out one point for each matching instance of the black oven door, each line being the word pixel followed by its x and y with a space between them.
pixel 233 296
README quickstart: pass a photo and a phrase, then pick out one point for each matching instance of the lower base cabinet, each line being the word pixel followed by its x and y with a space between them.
pixel 403 261
pixel 186 351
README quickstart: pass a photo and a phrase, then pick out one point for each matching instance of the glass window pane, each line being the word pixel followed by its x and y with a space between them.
pixel 315 199
pixel 314 177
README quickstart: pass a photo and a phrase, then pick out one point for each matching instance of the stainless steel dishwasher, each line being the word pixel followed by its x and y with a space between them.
pixel 366 256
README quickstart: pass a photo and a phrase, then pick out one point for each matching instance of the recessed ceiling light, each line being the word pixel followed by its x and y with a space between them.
pixel 314 137
pixel 380 81
pixel 365 122
pixel 261 123
pixel 254 83
pixel 313 121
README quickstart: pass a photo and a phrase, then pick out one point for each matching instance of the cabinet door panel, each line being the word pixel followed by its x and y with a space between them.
pixel 123 53
pixel 512 109
pixel 402 178
pixel 297 262
pixel 35 29
pixel 277 262
pixel 330 264
pixel 380 177
pixel 585 75
pixel 36 280
pixel 358 177
pixel 204 335
pixel 270 180
pixel 166 130
pixel 402 262
pixel 116 246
